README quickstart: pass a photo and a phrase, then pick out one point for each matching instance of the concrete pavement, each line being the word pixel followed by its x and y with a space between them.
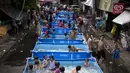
pixel 9 41
pixel 15 60
pixel 120 66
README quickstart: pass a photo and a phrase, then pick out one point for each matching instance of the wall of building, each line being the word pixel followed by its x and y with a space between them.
pixel 3 16
pixel 67 2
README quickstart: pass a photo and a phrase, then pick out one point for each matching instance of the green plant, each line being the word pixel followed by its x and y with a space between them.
pixel 29 4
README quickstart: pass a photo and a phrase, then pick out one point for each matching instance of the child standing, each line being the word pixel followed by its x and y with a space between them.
pixel 45 62
pixel 52 63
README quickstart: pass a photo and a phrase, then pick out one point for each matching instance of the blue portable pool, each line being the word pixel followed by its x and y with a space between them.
pixel 79 37
pixel 69 66
pixel 61 51
pixel 59 41
pixel 59 31
pixel 55 24
pixel 58 47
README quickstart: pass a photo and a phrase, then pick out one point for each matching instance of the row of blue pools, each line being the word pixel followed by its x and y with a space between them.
pixel 58 47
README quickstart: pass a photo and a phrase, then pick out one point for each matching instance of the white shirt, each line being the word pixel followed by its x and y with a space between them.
pixel 52 65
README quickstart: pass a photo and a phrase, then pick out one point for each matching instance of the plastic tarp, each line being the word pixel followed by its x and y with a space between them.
pixel 88 3
pixel 123 18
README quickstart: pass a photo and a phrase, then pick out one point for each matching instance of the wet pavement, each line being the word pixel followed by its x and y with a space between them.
pixel 110 66
pixel 15 59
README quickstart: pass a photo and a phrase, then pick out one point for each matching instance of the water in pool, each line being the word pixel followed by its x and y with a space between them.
pixel 70 67
pixel 58 48
pixel 79 37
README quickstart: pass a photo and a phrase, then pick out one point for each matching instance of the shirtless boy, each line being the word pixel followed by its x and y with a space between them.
pixel 73 49
pixel 101 48
pixel 73 34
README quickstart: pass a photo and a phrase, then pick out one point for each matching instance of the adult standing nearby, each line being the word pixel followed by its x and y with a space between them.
pixel 101 49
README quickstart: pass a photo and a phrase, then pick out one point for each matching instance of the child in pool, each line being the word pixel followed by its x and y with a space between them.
pixel 61 24
pixel 69 24
pixel 66 36
pixel 38 64
pixel 45 61
pixel 73 34
pixel 62 69
pixel 52 63
pixel 57 67
pixel 76 70
pixel 47 33
pixel 53 33
pixel 86 64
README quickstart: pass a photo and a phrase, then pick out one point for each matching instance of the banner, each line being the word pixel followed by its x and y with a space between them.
pixel 118 8
pixel 107 5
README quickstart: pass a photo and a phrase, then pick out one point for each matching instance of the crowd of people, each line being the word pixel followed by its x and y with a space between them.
pixel 49 65
pixel 49 15
pixel 97 47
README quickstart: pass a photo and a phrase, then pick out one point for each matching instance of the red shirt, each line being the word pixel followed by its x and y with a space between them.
pixel 61 24
pixel 47 32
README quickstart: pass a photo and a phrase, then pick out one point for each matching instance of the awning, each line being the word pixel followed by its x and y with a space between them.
pixel 88 3
pixel 128 8
pixel 123 18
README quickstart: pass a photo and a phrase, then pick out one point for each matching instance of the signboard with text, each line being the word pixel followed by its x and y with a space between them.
pixel 118 8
